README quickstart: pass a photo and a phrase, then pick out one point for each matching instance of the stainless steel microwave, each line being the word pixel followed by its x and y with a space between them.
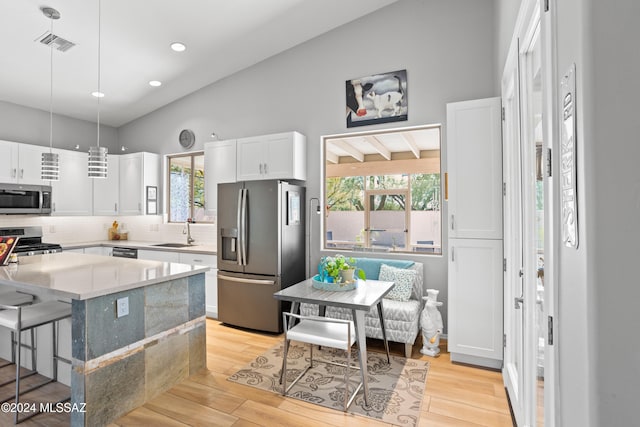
pixel 25 199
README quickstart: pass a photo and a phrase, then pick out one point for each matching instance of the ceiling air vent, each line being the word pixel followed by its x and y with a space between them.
pixel 48 39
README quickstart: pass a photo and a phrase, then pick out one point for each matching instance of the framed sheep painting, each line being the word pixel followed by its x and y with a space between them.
pixel 380 98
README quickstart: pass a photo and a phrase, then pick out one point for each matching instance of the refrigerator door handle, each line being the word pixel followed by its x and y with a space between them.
pixel 239 225
pixel 243 241
pixel 241 280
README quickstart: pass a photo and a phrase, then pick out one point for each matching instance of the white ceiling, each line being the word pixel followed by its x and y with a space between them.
pixel 222 37
pixel 384 143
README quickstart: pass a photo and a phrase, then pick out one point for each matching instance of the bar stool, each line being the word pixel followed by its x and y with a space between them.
pixel 13 298
pixel 19 319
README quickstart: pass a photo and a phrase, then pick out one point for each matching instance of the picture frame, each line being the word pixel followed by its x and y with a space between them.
pixel 375 99
pixel 152 200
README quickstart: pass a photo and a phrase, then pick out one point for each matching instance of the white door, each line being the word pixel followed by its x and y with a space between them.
pixel 512 193
pixel 72 194
pixel 533 199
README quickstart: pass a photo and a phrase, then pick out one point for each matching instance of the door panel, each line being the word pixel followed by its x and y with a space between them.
pixel 513 317
pixel 263 232
pixel 228 237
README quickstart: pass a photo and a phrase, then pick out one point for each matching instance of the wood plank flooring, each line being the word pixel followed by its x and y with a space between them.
pixel 455 395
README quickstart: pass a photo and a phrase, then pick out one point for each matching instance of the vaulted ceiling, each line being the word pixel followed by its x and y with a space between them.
pixel 222 37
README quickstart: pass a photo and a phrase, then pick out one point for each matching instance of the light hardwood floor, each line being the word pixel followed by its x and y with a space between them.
pixel 455 395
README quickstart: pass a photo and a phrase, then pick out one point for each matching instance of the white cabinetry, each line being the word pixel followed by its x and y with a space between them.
pixel 99 250
pixel 20 163
pixel 72 193
pixel 277 156
pixel 137 171
pixel 220 167
pixel 210 279
pixel 475 301
pixel 106 191
pixel 474 167
pixel 159 255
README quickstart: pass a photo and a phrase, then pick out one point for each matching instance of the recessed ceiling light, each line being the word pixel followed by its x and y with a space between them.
pixel 155 83
pixel 178 47
pixel 98 94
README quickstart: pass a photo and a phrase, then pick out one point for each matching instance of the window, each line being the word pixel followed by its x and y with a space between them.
pixel 382 191
pixel 186 187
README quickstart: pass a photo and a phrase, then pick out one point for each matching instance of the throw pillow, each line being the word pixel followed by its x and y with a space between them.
pixel 403 281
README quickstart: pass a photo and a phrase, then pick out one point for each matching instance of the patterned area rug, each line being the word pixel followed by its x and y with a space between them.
pixel 395 390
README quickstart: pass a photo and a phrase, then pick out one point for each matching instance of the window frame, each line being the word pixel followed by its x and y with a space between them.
pixel 366 192
pixel 191 155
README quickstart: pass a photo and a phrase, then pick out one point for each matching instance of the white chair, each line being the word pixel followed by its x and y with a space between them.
pixel 13 298
pixel 320 331
pixel 19 319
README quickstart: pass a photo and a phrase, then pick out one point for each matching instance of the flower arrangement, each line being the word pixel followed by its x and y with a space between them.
pixel 330 268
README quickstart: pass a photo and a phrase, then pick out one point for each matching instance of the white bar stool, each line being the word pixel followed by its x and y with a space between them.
pixel 13 298
pixel 19 319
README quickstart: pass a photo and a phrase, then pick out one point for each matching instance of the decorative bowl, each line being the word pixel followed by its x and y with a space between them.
pixel 335 287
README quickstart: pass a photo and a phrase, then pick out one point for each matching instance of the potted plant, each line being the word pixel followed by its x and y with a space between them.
pixel 339 269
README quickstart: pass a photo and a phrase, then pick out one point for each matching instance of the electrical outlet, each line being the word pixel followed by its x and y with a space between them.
pixel 52 228
pixel 122 307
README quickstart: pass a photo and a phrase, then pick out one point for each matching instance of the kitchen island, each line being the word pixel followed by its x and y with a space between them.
pixel 120 361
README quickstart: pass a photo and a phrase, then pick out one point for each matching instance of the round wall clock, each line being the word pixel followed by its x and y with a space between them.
pixel 187 138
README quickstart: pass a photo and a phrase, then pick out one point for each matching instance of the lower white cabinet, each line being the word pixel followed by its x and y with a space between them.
pixel 98 250
pixel 210 277
pixel 475 302
pixel 210 281
pixel 159 255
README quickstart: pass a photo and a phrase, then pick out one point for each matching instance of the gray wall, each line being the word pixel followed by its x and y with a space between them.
pixel 600 285
pixel 31 126
pixel 447 48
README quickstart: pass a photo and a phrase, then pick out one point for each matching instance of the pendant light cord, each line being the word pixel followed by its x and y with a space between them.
pixel 51 91
pixel 99 92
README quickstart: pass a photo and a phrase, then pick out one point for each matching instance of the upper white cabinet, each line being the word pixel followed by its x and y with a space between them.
pixel 137 172
pixel 106 191
pixel 474 163
pixel 220 167
pixel 73 192
pixel 20 163
pixel 277 156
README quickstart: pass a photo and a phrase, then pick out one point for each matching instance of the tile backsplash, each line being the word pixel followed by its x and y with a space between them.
pixel 144 228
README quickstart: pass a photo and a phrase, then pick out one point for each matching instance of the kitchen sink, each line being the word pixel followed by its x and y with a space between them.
pixel 172 245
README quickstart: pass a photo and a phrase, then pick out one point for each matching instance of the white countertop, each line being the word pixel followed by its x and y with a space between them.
pixel 196 249
pixel 82 276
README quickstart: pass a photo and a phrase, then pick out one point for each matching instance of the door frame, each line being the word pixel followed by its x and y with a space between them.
pixel 532 18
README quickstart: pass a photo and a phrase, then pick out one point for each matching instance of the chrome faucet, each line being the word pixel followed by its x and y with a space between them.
pixel 187 231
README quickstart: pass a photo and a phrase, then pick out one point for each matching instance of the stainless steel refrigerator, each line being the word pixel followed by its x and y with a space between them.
pixel 260 250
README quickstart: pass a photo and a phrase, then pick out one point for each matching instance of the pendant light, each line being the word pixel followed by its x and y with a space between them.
pixel 50 168
pixel 97 167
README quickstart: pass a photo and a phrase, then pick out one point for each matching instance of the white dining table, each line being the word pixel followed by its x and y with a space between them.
pixel 367 294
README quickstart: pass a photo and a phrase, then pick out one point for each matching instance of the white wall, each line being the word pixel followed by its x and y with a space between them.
pixel 31 126
pixel 447 48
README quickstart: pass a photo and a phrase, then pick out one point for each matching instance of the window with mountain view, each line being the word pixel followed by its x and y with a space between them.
pixel 382 191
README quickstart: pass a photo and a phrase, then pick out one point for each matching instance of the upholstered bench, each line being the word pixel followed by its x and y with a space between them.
pixel 401 314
